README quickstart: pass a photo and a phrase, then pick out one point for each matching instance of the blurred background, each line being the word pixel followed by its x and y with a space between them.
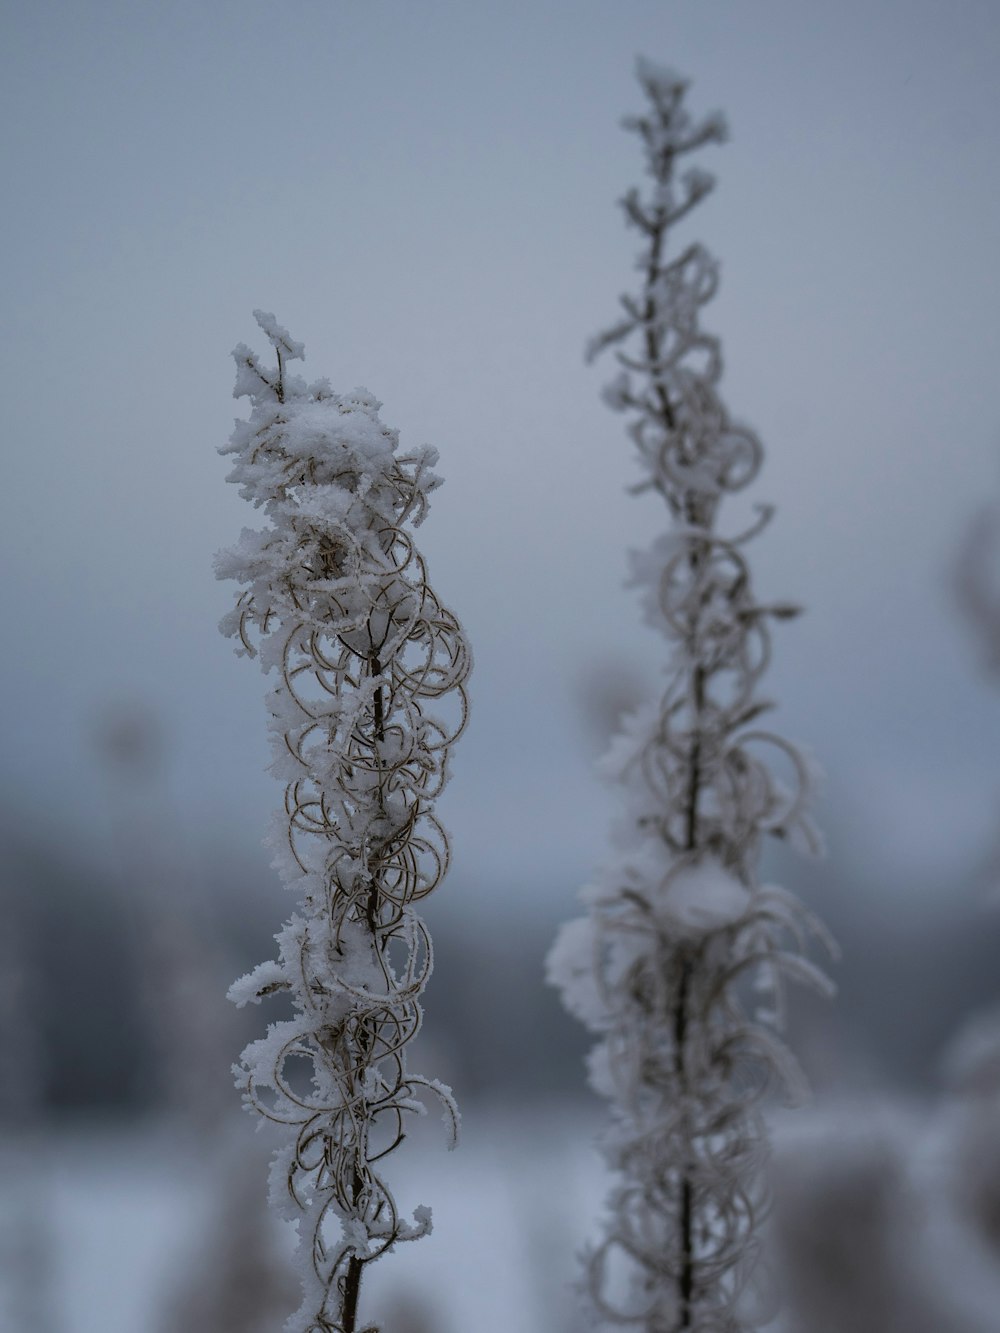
pixel 424 193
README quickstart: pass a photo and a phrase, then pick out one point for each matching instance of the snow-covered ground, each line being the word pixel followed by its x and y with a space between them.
pixel 124 1219
pixel 883 1209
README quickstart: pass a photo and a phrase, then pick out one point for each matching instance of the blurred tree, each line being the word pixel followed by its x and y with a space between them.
pixel 238 1278
pixel 977 582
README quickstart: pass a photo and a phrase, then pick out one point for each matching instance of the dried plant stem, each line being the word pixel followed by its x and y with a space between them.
pixel 680 920
pixel 338 605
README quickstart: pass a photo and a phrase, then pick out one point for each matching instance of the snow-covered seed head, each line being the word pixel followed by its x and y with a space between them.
pixel 369 694
pixel 679 930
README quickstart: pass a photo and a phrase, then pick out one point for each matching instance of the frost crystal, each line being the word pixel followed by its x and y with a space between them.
pixel 337 605
pixel 680 964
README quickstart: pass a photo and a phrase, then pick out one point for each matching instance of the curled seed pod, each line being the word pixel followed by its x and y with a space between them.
pixel 337 606
pixel 679 931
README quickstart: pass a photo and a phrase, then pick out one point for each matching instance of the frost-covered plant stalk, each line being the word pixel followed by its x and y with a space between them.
pixel 679 963
pixel 337 605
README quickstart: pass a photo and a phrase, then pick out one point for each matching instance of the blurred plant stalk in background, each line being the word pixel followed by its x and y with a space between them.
pixel 681 961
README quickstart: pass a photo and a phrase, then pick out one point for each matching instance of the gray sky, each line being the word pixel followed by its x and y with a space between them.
pixel 424 193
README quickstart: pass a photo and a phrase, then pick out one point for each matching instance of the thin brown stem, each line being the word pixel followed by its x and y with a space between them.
pixel 652 337
pixel 352 1290
pixel 352 1279
pixel 685 1281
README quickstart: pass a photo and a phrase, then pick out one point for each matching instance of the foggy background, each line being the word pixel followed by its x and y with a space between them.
pixel 424 193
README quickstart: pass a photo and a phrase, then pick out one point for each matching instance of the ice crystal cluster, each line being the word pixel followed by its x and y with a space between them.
pixel 337 605
pixel 680 961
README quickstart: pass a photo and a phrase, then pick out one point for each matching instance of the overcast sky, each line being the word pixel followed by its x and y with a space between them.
pixel 424 193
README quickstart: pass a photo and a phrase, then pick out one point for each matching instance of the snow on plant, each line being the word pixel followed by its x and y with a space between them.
pixel 337 605
pixel 679 964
